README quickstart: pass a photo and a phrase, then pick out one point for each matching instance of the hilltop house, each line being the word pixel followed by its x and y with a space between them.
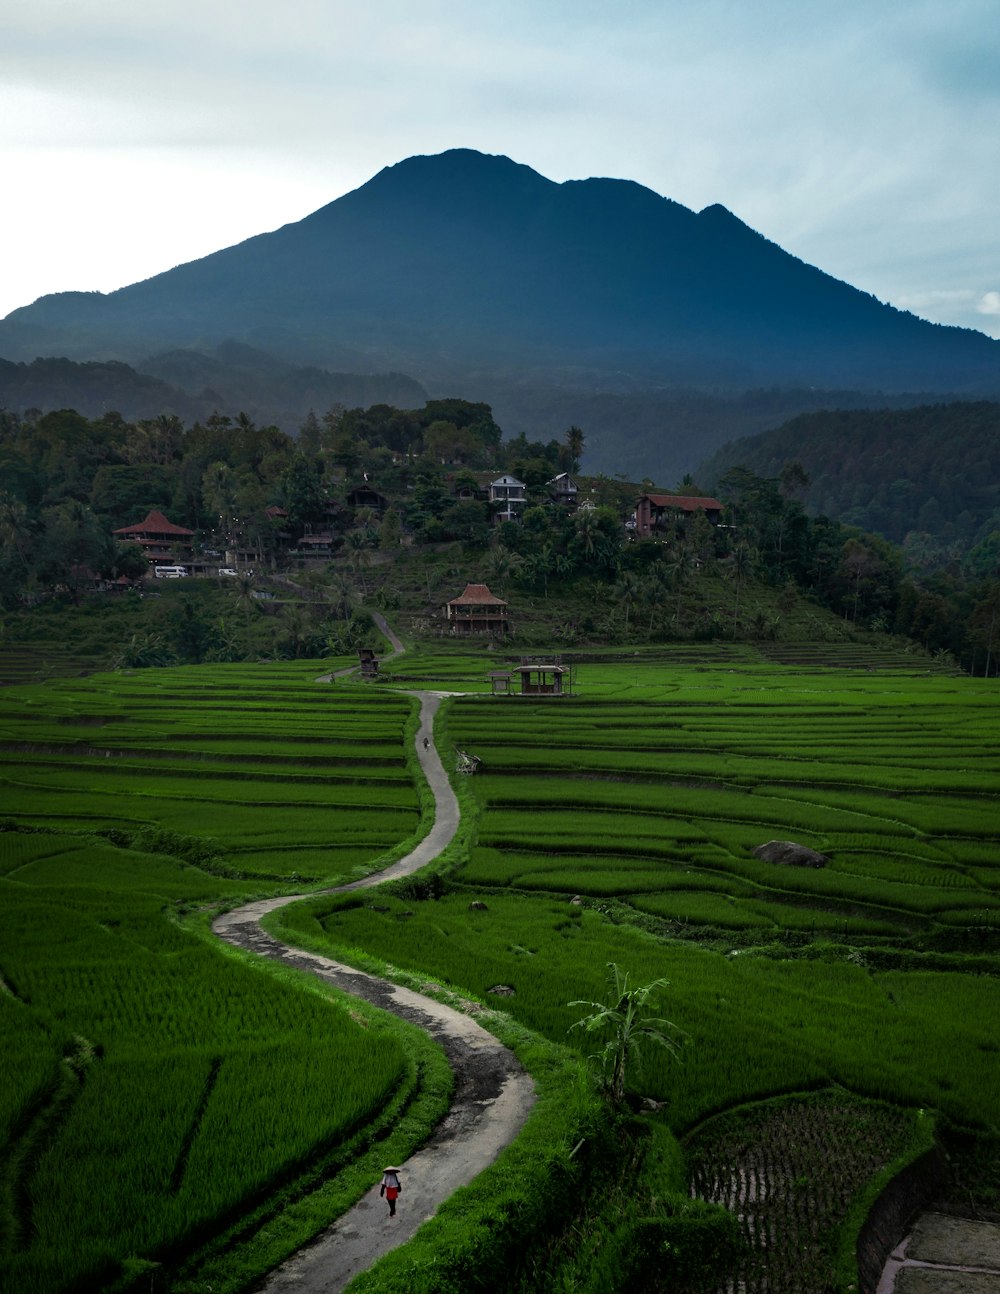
pixel 366 496
pixel 655 512
pixel 163 543
pixel 508 496
pixel 563 490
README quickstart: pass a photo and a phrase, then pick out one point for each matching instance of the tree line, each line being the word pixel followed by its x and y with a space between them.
pixel 69 482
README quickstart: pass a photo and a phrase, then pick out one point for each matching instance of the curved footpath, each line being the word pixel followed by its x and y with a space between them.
pixel 493 1094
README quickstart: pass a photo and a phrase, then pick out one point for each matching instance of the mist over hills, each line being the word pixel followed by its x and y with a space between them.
pixel 476 276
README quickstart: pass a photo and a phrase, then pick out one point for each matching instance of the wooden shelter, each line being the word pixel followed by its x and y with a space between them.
pixel 368 662
pixel 541 677
pixel 477 611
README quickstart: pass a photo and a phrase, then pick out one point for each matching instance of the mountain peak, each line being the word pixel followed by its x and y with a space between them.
pixel 465 263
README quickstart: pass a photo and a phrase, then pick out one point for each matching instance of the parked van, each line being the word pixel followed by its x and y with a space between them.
pixel 227 570
pixel 171 572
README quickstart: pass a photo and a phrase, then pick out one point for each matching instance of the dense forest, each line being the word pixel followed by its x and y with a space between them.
pixel 70 482
pixel 927 478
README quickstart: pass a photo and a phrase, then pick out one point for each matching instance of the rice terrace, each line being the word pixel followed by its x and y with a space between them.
pixel 183 1115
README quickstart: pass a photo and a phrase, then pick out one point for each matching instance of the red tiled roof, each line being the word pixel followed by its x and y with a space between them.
pixel 478 593
pixel 686 502
pixel 155 524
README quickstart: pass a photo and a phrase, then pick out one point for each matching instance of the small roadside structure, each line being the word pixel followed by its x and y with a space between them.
pixel 500 680
pixel 368 662
pixel 477 611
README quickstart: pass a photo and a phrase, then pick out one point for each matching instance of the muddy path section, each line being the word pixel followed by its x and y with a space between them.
pixel 493 1094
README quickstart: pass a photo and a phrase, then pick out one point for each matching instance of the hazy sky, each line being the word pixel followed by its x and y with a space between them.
pixel 862 136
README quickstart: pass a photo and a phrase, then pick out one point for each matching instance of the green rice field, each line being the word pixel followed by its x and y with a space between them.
pixel 154 1088
pixel 617 824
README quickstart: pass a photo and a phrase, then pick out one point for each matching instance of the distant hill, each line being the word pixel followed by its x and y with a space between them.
pixel 481 278
pixel 932 470
pixel 192 384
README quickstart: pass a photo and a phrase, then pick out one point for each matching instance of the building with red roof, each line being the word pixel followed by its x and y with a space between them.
pixel 163 542
pixel 655 511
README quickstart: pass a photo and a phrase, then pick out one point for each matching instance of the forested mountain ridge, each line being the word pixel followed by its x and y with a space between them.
pixel 465 268
pixel 192 384
pixel 927 478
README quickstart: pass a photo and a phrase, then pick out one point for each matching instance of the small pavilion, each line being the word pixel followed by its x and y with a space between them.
pixel 538 677
pixel 477 611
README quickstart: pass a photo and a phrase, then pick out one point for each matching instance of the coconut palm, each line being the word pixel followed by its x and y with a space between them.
pixel 627 591
pixel 623 1018
pixel 741 565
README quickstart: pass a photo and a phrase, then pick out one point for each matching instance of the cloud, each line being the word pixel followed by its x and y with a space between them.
pixel 989 304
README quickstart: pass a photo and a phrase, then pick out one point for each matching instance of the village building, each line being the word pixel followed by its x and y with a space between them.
pixel 477 611
pixel 366 496
pixel 507 494
pixel 656 512
pixel 163 543
pixel 563 490
pixel 313 548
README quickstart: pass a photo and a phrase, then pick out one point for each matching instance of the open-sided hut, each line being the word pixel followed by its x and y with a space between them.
pixel 541 677
pixel 477 611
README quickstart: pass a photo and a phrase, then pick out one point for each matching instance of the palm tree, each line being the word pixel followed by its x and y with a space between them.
pixel 243 596
pixel 627 592
pixel 574 446
pixel 15 528
pixel 501 565
pixel 357 542
pixel 623 1016
pixel 742 564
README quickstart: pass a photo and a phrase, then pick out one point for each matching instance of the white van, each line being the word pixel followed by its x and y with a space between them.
pixel 171 572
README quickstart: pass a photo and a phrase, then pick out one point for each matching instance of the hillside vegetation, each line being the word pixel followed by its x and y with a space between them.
pixel 927 478
pixel 398 502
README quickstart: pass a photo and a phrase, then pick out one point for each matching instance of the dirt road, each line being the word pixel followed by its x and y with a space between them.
pixel 493 1094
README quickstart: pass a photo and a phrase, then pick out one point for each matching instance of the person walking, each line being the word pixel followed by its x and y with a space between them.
pixel 427 742
pixel 390 1188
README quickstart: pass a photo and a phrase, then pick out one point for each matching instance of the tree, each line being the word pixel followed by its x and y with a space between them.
pixel 740 569
pixel 574 448
pixel 627 592
pixel 623 1018
pixel 390 532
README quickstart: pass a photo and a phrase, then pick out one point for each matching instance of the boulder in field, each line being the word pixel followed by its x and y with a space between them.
pixel 786 853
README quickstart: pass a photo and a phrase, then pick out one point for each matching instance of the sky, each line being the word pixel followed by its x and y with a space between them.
pixel 862 136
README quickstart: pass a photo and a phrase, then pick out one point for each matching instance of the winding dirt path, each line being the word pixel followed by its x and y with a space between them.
pixel 493 1094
